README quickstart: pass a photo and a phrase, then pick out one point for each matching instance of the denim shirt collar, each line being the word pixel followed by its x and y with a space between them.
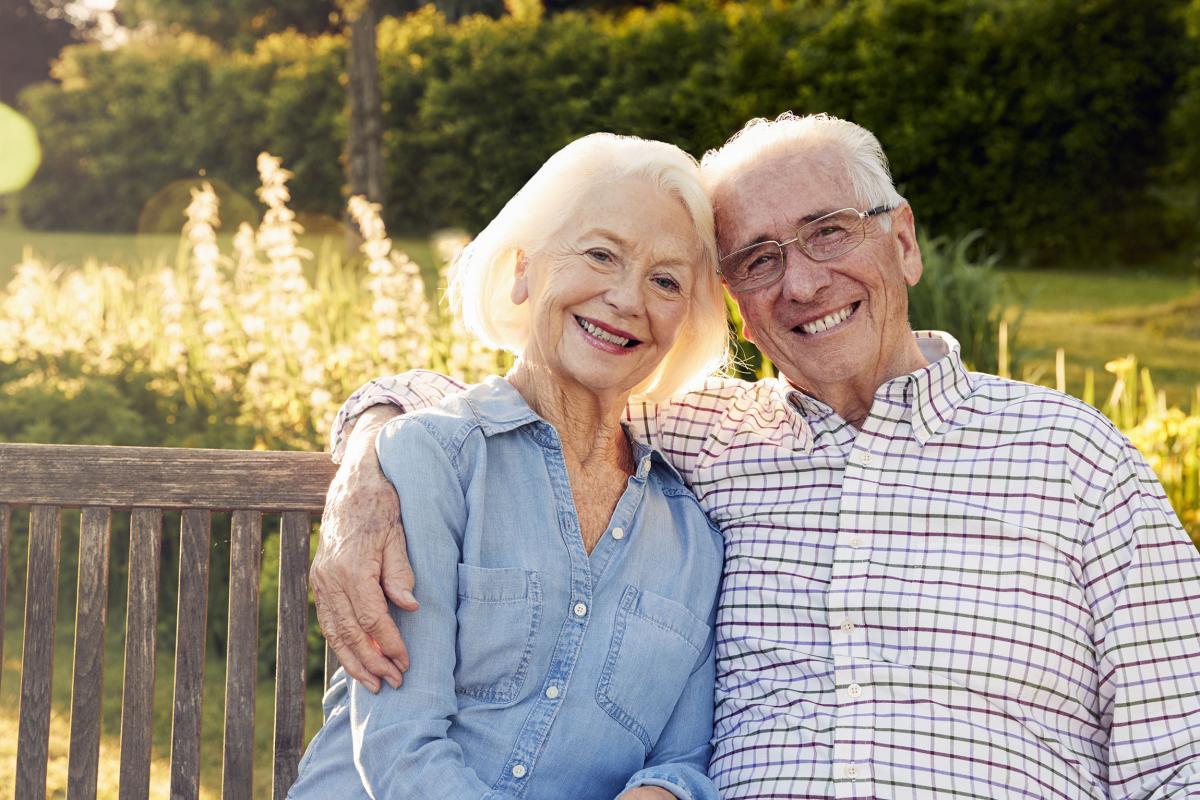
pixel 500 408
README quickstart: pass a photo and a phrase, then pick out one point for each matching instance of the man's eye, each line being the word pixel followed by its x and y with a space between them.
pixel 759 261
pixel 828 232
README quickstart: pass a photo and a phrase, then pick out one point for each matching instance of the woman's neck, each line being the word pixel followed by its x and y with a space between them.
pixel 588 424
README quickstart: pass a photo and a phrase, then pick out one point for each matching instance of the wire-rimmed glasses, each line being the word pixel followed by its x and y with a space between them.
pixel 823 239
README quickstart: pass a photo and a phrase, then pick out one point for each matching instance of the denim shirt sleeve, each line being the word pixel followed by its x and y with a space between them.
pixel 400 742
pixel 679 760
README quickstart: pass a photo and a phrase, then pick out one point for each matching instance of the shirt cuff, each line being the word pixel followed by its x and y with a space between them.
pixel 681 780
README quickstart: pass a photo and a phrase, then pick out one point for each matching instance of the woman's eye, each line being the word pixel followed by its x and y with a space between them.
pixel 666 282
pixel 603 256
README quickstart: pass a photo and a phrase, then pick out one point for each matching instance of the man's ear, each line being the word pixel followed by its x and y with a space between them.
pixel 905 232
pixel 520 288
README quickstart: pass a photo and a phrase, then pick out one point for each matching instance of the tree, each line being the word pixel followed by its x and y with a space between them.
pixel 364 142
pixel 29 41
pixel 236 24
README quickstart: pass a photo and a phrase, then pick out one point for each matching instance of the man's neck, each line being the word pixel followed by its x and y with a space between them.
pixel 852 399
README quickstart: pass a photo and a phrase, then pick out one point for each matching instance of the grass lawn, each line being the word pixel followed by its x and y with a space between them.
pixel 1098 317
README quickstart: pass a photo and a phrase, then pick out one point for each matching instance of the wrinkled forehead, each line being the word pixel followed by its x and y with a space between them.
pixel 768 197
pixel 635 213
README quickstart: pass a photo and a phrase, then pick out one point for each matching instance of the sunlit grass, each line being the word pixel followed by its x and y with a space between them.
pixel 1097 317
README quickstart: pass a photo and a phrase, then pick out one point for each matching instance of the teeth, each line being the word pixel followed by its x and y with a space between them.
pixel 825 323
pixel 600 333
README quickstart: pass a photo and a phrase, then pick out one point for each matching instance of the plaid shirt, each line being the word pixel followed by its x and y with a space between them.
pixel 982 593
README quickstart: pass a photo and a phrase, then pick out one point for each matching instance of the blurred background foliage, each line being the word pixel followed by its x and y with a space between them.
pixel 1059 128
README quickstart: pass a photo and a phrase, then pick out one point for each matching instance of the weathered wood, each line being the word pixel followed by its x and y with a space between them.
pixel 141 619
pixel 190 635
pixel 87 686
pixel 41 606
pixel 5 545
pixel 290 647
pixel 241 667
pixel 162 477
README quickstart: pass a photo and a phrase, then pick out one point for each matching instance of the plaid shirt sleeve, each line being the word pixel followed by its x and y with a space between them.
pixel 409 391
pixel 1142 575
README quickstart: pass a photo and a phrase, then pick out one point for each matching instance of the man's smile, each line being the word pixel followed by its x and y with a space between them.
pixel 829 321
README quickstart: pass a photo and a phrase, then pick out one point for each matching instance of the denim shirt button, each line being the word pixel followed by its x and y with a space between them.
pixel 552 692
pixel 518 771
pixel 618 533
pixel 580 609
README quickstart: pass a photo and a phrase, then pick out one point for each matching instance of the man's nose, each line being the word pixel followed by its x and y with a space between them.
pixel 803 279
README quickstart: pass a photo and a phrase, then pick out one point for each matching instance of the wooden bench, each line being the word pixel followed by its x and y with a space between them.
pixel 97 480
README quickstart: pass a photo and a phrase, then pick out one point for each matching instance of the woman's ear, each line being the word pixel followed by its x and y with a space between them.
pixel 520 289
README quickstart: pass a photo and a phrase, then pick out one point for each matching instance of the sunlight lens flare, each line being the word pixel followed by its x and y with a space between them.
pixel 22 153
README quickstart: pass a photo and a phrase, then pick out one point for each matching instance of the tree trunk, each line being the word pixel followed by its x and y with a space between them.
pixel 364 141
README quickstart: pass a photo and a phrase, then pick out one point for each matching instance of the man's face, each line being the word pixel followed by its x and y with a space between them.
pixel 831 323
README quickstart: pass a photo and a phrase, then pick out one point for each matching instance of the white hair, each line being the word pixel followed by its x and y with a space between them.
pixel 482 276
pixel 855 146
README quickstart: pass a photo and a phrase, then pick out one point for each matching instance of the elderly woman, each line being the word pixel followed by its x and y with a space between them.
pixel 567 579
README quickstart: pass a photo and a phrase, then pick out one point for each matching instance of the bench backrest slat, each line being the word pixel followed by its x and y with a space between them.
pixel 191 633
pixel 241 666
pixel 290 652
pixel 87 686
pixel 5 546
pixel 161 477
pixel 41 606
pixel 141 623
pixel 98 480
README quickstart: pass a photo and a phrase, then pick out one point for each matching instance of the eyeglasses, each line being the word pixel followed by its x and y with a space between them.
pixel 823 239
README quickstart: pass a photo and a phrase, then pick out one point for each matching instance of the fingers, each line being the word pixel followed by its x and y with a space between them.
pixel 345 656
pixel 397 575
pixel 371 609
pixel 346 619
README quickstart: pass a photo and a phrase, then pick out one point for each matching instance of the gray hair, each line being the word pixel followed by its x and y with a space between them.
pixel 859 150
pixel 482 276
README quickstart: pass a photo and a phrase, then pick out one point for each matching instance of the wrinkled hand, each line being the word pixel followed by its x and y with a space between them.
pixel 646 793
pixel 362 557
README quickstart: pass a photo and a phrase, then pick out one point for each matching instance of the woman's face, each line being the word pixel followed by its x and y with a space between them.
pixel 611 287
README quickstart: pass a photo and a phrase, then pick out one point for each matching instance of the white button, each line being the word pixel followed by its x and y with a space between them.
pixel 863 457
pixel 856 542
pixel 850 771
pixel 854 690
pixel 847 626
pixel 552 692
pixel 618 533
pixel 580 609
pixel 518 771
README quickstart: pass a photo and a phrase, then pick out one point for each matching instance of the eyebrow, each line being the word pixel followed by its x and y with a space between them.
pixel 796 225
pixel 606 234
pixel 625 243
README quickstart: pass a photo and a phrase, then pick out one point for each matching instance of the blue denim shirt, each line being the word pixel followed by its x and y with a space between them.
pixel 538 671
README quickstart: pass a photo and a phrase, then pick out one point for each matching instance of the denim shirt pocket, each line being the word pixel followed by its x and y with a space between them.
pixel 499 611
pixel 655 645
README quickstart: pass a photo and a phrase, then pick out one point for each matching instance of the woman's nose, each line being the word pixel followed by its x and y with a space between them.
pixel 625 295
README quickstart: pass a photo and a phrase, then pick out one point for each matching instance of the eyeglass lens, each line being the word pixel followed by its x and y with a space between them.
pixel 821 240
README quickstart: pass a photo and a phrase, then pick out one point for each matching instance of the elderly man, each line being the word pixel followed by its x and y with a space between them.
pixel 937 582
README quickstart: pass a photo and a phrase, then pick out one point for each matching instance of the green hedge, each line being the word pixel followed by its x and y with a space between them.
pixel 1042 122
